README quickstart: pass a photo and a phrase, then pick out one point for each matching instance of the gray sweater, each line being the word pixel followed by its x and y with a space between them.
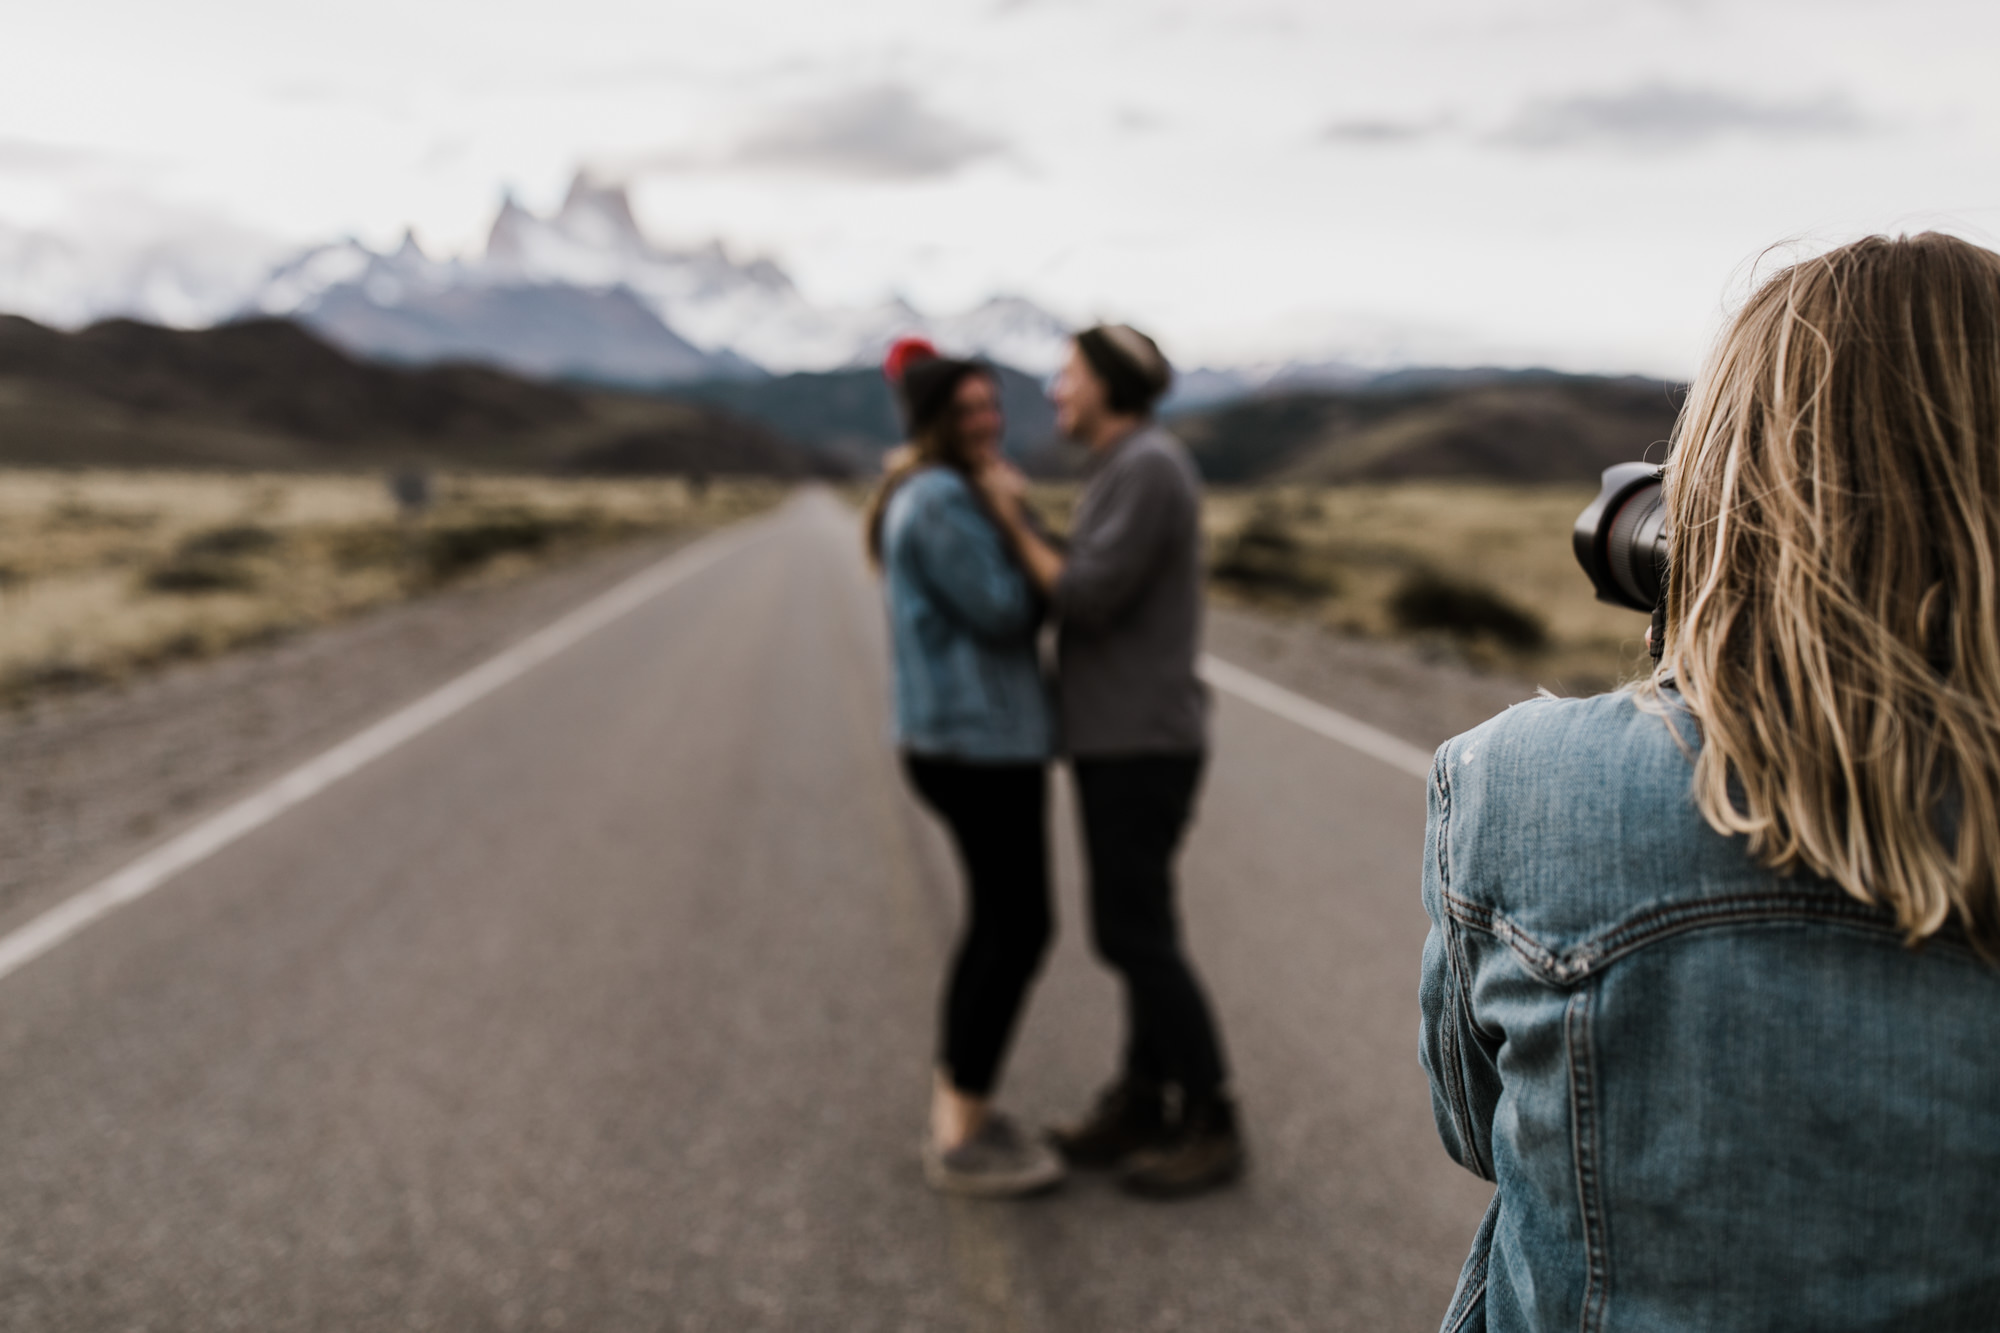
pixel 1129 606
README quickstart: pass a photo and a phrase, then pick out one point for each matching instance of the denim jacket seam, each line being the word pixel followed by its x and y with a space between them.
pixel 1441 779
pixel 1462 1310
pixel 1543 961
pixel 1461 1099
pixel 1587 1157
pixel 1461 963
pixel 1749 907
pixel 1575 965
pixel 1474 1279
pixel 1453 1054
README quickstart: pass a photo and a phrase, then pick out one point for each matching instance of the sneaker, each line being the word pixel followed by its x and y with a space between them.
pixel 999 1162
pixel 1130 1115
pixel 1206 1152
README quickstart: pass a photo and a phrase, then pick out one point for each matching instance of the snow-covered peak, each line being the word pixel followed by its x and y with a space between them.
pixel 305 275
pixel 747 306
pixel 600 216
pixel 507 237
pixel 594 241
pixel 296 286
pixel 593 228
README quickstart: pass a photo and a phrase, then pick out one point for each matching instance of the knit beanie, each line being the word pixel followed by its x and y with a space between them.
pixel 1129 366
pixel 901 353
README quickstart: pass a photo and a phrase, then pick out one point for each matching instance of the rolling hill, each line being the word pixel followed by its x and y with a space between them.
pixel 268 394
pixel 849 416
pixel 1532 426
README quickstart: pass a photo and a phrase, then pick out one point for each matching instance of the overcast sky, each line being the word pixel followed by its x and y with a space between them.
pixel 1583 183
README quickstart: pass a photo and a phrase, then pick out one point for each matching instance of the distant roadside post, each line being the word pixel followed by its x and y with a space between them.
pixel 411 488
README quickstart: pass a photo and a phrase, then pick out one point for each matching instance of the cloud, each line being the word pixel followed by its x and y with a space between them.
pixel 31 157
pixel 882 132
pixel 1375 133
pixel 1660 116
pixel 445 152
pixel 1139 120
pixel 306 92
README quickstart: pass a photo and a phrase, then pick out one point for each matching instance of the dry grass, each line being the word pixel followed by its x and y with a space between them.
pixel 106 573
pixel 1473 570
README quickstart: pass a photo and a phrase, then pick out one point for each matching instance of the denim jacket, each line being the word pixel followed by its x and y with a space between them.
pixel 1710 1097
pixel 962 623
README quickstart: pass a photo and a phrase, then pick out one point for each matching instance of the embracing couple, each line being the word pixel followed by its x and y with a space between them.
pixel 969 577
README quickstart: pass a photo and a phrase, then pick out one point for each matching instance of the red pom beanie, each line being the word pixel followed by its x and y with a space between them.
pixel 924 382
pixel 901 353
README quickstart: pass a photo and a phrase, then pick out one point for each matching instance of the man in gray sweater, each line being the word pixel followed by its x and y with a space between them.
pixel 1127 598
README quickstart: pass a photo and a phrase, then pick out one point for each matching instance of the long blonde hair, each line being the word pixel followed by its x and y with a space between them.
pixel 1833 590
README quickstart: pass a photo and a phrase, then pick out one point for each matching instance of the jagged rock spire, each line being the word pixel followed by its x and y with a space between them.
pixel 600 213
pixel 506 239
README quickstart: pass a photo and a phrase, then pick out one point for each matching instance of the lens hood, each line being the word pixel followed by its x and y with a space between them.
pixel 1621 538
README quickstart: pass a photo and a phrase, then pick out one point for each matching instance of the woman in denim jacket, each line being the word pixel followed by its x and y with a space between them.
pixel 973 722
pixel 1708 991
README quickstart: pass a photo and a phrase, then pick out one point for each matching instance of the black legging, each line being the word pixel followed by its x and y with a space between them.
pixel 996 814
pixel 1134 812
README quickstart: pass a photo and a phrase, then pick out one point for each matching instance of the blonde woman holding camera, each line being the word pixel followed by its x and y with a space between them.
pixel 1709 990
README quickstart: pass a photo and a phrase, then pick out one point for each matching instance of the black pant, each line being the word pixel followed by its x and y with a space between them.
pixel 997 817
pixel 1134 813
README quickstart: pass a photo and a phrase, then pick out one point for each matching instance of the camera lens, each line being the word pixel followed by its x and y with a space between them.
pixel 1621 539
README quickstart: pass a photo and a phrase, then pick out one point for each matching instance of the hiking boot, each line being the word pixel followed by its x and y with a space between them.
pixel 1205 1152
pixel 998 1162
pixel 1130 1115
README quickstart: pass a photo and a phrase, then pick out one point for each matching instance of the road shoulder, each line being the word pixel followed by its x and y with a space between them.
pixel 1393 686
pixel 97 777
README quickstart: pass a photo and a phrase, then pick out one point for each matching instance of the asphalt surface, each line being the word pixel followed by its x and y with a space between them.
pixel 607 1004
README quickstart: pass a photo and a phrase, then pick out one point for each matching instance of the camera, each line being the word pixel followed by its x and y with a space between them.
pixel 1621 539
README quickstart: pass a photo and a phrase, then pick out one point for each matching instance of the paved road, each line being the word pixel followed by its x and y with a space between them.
pixel 606 1004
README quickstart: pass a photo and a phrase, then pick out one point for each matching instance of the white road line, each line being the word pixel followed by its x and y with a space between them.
pixel 141 877
pixel 1330 723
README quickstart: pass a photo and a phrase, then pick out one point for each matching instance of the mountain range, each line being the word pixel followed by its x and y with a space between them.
pixel 581 293
pixel 581 304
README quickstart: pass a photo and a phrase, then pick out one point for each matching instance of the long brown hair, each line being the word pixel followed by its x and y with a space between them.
pixel 1833 589
pixel 937 442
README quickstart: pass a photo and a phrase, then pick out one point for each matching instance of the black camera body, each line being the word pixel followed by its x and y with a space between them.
pixel 1621 539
